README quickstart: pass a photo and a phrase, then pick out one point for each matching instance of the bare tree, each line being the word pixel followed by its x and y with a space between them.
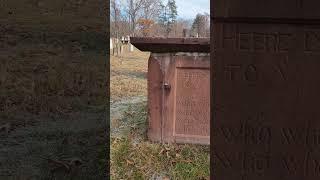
pixel 181 25
pixel 201 25
pixel 115 15
pixel 133 10
pixel 207 24
pixel 151 9
pixel 150 12
pixel 168 17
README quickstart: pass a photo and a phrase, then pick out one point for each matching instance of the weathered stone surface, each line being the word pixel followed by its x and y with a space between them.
pixel 178 89
pixel 296 9
pixel 265 117
pixel 192 103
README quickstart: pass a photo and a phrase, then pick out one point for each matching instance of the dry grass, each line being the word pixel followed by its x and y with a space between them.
pixel 146 160
pixel 41 76
pixel 36 81
pixel 128 75
pixel 134 157
pixel 52 90
pixel 58 15
pixel 53 87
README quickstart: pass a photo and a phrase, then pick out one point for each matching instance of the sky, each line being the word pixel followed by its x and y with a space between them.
pixel 188 9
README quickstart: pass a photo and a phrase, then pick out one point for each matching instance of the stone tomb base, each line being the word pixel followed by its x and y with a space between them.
pixel 178 89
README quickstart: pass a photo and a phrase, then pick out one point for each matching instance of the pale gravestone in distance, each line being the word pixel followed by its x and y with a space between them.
pixel 178 89
pixel 111 44
pixel 131 47
pixel 266 90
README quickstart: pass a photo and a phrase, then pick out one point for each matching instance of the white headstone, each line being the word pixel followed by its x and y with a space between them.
pixel 131 48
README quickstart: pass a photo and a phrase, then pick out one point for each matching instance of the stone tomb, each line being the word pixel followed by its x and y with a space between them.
pixel 266 93
pixel 178 89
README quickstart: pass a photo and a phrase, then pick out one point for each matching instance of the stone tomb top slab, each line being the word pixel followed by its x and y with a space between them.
pixel 167 45
pixel 301 9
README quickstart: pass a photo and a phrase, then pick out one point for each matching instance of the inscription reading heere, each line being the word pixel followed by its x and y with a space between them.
pixel 192 102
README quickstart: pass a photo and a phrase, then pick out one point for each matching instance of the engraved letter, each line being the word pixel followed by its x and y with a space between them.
pixel 271 42
pixel 226 39
pixel 231 70
pixel 312 41
pixel 284 42
pixel 290 164
pixel 259 42
pixel 251 73
pixel 244 41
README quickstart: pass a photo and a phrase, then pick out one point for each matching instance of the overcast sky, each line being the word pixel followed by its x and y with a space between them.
pixel 188 9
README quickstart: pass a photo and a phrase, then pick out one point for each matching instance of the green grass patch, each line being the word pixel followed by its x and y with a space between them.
pixel 133 157
pixel 130 160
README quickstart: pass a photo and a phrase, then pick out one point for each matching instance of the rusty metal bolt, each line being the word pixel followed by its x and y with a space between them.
pixel 166 86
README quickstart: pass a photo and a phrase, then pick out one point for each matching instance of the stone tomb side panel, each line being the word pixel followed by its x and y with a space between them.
pixel 266 118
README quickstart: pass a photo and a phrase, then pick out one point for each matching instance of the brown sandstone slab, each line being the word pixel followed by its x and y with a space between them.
pixel 265 117
pixel 167 45
pixel 296 9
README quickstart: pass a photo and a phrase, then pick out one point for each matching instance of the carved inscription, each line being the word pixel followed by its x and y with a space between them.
pixel 248 72
pixel 259 163
pixel 309 164
pixel 248 162
pixel 270 68
pixel 271 42
pixel 192 102
pixel 255 162
pixel 253 72
pixel 301 136
pixel 312 41
pixel 252 131
pixel 256 41
pixel 246 134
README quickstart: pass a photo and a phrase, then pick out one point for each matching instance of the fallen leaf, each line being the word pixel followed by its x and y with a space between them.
pixel 129 162
pixel 161 151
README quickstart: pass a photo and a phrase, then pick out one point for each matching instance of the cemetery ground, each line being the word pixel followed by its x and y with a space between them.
pixel 52 104
pixel 132 155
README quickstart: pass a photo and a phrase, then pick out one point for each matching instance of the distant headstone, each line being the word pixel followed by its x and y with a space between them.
pixel 131 48
pixel 185 32
pixel 111 43
pixel 266 90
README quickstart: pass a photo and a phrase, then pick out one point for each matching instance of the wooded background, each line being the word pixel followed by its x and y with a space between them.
pixel 155 18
